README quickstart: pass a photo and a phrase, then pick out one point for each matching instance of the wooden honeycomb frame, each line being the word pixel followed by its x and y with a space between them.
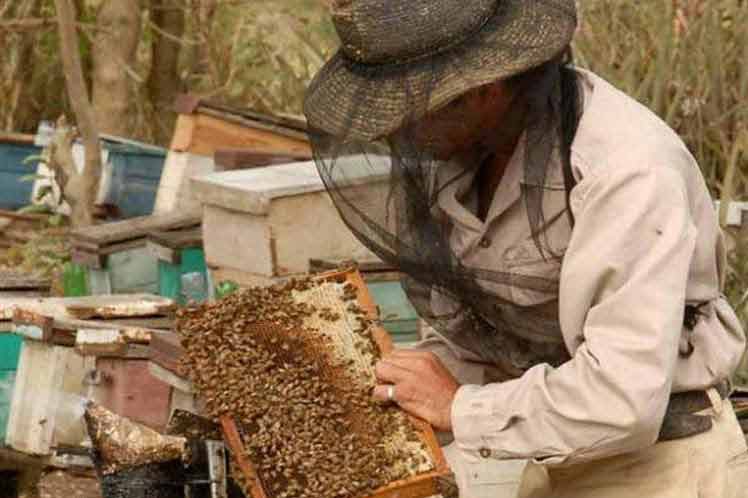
pixel 420 486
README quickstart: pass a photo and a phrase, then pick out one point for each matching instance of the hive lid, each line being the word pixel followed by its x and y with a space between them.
pixel 252 190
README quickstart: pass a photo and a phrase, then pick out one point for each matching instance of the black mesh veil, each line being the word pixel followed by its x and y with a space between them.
pixel 388 190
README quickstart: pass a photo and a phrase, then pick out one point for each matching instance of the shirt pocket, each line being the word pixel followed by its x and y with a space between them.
pixel 491 472
pixel 536 275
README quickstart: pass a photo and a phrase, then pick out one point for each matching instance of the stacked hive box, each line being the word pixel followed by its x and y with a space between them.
pixel 265 224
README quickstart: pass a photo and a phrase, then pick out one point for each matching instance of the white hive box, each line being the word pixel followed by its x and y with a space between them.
pixel 269 222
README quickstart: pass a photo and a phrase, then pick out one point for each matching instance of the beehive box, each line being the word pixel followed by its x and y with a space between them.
pixel 269 222
pixel 292 388
pixel 47 397
pixel 179 253
pixel 113 257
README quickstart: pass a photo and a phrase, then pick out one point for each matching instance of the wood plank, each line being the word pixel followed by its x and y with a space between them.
pixel 89 259
pixel 174 191
pixel 100 342
pixel 145 322
pixel 29 217
pixel 256 124
pixel 85 246
pixel 319 265
pixel 171 378
pixel 192 104
pixel 184 130
pixel 109 306
pixel 32 325
pixel 178 239
pixel 235 444
pixel 164 253
pixel 135 228
pixel 16 138
pixel 185 401
pixel 166 350
pixel 65 330
pixel 11 281
pixel 132 333
pixel 210 133
pixel 119 306
pixel 232 159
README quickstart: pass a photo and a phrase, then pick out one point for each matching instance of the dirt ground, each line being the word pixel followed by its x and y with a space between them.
pixel 59 484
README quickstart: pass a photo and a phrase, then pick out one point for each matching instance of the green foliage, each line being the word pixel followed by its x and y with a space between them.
pixel 687 61
pixel 264 53
pixel 688 65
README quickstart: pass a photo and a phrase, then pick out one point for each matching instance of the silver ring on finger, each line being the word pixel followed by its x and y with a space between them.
pixel 391 394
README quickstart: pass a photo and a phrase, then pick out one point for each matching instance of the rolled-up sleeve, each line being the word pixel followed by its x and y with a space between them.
pixel 622 296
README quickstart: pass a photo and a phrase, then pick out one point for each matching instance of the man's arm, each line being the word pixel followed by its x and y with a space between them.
pixel 623 288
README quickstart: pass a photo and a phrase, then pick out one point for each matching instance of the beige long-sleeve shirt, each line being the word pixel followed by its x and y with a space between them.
pixel 645 243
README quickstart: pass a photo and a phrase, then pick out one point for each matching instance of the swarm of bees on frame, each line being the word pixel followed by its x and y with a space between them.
pixel 305 411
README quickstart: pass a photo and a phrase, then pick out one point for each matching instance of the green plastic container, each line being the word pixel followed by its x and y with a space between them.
pixel 7 380
pixel 10 353
pixel 74 280
pixel 398 316
pixel 192 260
pixel 10 350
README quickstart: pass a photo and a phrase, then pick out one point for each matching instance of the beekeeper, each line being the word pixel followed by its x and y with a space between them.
pixel 557 237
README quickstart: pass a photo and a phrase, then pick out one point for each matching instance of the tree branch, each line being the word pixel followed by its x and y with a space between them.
pixel 31 24
pixel 81 105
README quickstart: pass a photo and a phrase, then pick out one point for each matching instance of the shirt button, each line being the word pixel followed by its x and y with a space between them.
pixel 485 243
pixel 484 452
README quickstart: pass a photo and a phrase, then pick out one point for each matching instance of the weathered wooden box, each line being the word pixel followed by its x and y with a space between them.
pixel 77 349
pixel 115 257
pixel 47 399
pixel 203 128
pixel 269 222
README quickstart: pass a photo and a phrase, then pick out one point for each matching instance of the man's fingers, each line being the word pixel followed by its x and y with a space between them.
pixel 405 354
pixel 391 372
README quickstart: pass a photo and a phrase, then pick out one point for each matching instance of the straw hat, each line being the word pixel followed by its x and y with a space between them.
pixel 402 58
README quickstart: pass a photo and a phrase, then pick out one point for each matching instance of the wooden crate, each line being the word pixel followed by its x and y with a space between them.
pixel 269 222
pixel 204 127
pixel 47 399
pixel 115 255
pixel 174 192
pixel 126 387
pixel 76 348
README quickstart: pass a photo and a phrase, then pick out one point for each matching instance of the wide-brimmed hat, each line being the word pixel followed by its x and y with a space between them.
pixel 401 58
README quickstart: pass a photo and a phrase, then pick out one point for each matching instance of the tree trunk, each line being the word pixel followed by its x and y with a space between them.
pixel 164 82
pixel 82 198
pixel 117 37
pixel 22 73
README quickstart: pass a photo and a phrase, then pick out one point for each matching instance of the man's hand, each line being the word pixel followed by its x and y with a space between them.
pixel 422 386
